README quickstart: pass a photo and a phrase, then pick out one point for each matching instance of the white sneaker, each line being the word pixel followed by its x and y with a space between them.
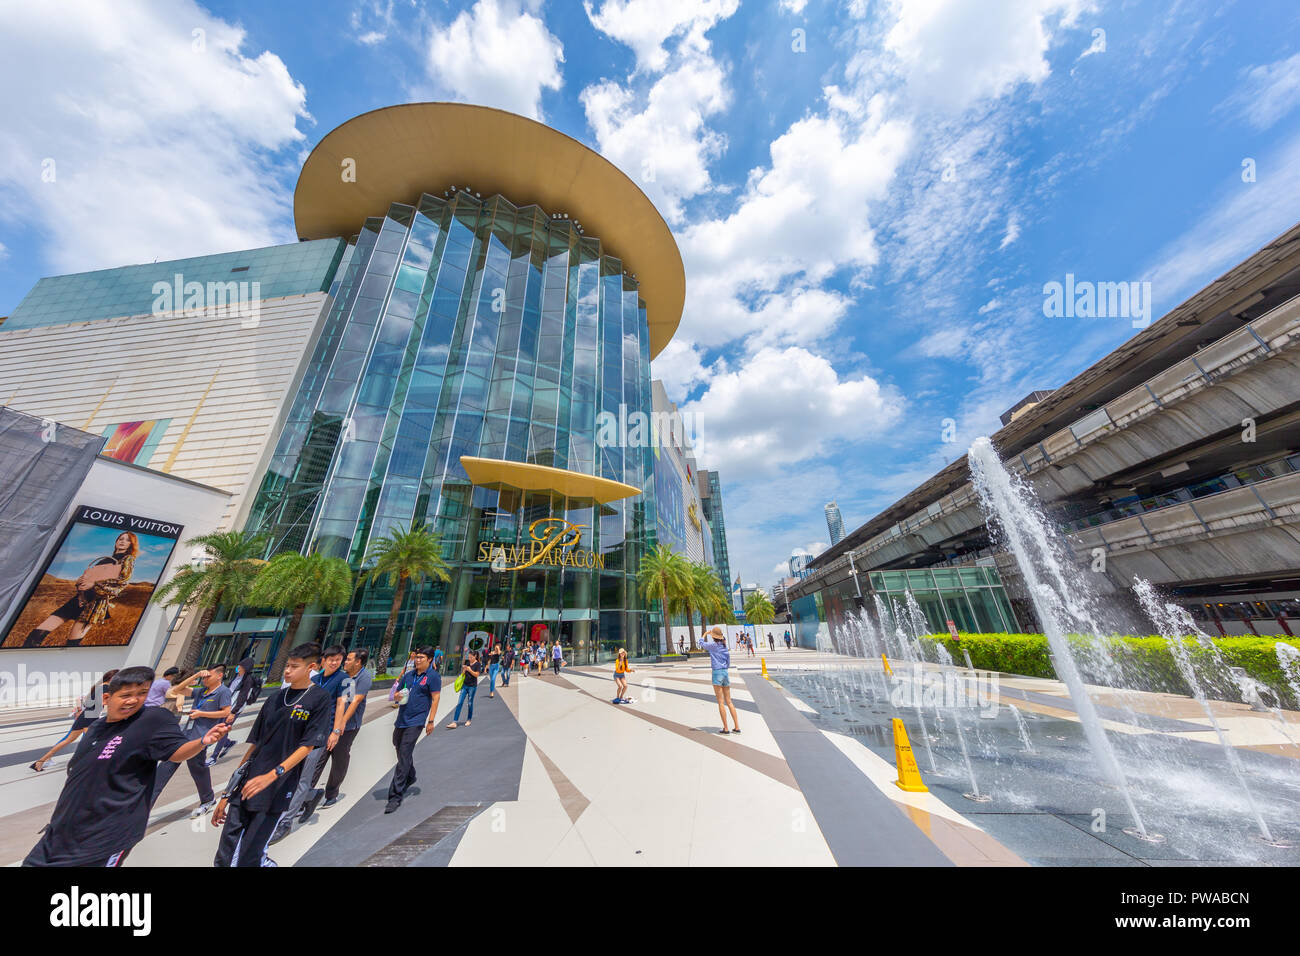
pixel 202 809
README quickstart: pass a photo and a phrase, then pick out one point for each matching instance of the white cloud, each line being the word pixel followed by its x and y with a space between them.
pixel 785 406
pixel 1268 92
pixel 793 6
pixel 680 368
pixel 799 220
pixel 159 127
pixel 954 52
pixel 667 146
pixel 496 54
pixel 644 25
pixel 1012 233
pixel 371 21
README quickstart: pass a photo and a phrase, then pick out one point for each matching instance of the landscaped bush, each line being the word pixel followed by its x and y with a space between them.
pixel 1144 663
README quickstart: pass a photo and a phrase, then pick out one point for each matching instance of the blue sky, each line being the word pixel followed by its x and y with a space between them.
pixel 869 196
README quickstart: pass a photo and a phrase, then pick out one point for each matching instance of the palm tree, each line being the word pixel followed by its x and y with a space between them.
pixel 718 603
pixel 759 611
pixel 234 560
pixel 661 578
pixel 291 581
pixel 707 596
pixel 396 559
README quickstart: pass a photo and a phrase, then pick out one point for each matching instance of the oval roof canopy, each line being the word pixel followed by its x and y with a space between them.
pixel 402 151
pixel 498 474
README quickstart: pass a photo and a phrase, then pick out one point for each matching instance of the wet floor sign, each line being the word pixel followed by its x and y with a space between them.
pixel 909 777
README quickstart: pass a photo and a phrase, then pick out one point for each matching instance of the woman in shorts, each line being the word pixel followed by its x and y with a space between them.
pixel 715 642
pixel 621 670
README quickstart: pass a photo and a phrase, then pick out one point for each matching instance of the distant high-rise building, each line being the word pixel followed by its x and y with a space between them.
pixel 711 499
pixel 835 522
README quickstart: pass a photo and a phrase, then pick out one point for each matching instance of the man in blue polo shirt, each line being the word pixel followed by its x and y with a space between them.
pixel 417 696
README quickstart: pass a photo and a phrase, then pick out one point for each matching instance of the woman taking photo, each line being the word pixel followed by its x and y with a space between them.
pixel 716 644
pixel 99 585
pixel 470 672
pixel 621 670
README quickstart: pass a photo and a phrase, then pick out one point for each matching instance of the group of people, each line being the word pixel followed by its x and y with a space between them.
pixel 742 640
pixel 132 732
pixel 133 743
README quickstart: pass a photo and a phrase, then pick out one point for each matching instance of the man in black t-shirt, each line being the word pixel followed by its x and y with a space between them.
pixel 295 719
pixel 104 807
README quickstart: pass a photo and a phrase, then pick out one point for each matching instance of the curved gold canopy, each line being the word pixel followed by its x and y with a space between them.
pixel 399 152
pixel 497 474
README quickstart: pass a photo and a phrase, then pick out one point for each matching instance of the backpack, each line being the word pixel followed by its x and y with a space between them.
pixel 254 688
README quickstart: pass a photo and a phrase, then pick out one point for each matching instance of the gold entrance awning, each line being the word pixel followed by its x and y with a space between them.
pixel 502 475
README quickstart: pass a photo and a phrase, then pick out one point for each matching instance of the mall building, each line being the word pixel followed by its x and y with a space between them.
pixel 1175 458
pixel 473 299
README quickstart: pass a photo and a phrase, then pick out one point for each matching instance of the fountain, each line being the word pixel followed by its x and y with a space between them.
pixel 1173 622
pixel 1024 731
pixel 1059 595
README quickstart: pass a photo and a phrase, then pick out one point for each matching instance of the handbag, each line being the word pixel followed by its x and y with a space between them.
pixel 460 682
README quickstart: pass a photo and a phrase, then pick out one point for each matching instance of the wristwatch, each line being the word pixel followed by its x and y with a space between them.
pixel 280 771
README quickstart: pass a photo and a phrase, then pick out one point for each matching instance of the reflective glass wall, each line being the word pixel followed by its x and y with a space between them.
pixel 467 327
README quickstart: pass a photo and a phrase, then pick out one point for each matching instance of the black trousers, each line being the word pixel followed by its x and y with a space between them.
pixel 338 759
pixel 404 740
pixel 245 836
pixel 198 770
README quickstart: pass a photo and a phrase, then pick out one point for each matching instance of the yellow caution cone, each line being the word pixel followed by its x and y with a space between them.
pixel 764 661
pixel 909 777
pixel 888 670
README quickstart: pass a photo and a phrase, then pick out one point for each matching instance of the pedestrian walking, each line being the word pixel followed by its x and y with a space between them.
pixel 293 721
pixel 89 709
pixel 507 664
pixel 621 669
pixel 350 709
pixel 245 687
pixel 470 672
pixel 210 707
pixel 494 668
pixel 557 658
pixel 787 640
pixel 305 798
pixel 417 700
pixel 715 643
pixel 103 808
pixel 771 642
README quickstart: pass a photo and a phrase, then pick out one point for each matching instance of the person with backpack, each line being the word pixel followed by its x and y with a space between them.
pixel 467 686
pixel 245 688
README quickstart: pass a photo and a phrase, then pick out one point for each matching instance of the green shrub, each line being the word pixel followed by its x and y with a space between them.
pixel 1145 663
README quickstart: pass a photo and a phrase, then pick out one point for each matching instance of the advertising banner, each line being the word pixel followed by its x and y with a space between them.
pixel 94 588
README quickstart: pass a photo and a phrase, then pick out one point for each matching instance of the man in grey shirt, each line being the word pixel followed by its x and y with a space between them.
pixel 351 708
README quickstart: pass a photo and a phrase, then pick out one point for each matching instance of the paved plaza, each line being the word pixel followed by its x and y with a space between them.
pixel 552 773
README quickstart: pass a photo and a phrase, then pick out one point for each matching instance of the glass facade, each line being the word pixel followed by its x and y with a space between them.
pixel 468 327
pixel 294 269
pixel 972 598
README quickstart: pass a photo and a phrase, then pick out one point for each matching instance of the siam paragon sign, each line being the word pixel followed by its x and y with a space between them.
pixel 553 543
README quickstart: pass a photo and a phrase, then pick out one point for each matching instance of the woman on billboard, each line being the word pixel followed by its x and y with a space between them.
pixel 102 581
